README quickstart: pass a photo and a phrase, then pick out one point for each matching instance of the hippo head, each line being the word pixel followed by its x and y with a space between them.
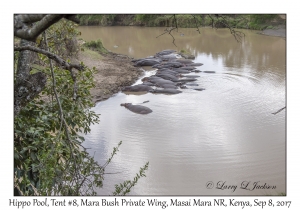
pixel 126 88
pixel 125 104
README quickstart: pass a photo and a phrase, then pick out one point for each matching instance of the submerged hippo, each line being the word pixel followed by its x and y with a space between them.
pixel 168 65
pixel 192 84
pixel 195 64
pixel 136 60
pixel 168 57
pixel 158 80
pixel 199 89
pixel 168 77
pixel 139 109
pixel 137 88
pixel 147 62
pixel 187 80
pixel 196 71
pixel 188 68
pixel 190 76
pixel 182 71
pixel 169 86
pixel 184 61
pixel 148 83
pixel 167 91
pixel 168 71
pixel 165 52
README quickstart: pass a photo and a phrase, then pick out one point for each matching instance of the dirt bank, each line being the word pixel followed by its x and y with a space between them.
pixel 113 72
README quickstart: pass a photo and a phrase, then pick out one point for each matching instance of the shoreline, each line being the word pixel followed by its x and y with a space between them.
pixel 279 32
pixel 114 71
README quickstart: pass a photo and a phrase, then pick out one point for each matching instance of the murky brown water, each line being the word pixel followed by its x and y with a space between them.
pixel 224 135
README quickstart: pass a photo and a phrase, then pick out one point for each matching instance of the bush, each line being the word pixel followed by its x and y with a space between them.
pixel 97 46
pixel 260 19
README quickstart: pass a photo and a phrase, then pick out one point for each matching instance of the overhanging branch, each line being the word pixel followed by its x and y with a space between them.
pixel 59 60
pixel 24 29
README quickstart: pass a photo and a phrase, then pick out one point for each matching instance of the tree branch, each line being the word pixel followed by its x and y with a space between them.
pixel 279 110
pixel 27 19
pixel 169 32
pixel 59 60
pixel 196 21
pixel 238 35
pixel 72 18
pixel 22 23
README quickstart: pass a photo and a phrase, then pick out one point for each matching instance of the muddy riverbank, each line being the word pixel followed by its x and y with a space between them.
pixel 113 71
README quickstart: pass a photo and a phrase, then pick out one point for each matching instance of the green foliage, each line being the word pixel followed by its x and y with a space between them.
pixel 207 21
pixel 144 17
pixel 96 45
pixel 189 21
pixel 260 19
pixel 261 22
pixel 256 21
pixel 183 21
pixel 124 188
pixel 106 19
pixel 49 158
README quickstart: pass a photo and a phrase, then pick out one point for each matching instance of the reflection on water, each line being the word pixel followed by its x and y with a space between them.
pixel 225 133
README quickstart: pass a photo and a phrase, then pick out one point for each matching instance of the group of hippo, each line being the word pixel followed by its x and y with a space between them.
pixel 171 76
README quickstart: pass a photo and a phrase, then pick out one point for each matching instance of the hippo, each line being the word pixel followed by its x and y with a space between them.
pixel 136 60
pixel 194 64
pixel 196 71
pixel 182 71
pixel 139 109
pixel 158 80
pixel 190 76
pixel 192 84
pixel 147 62
pixel 188 68
pixel 199 89
pixel 148 83
pixel 209 71
pixel 175 73
pixel 169 86
pixel 165 52
pixel 168 57
pixel 174 62
pixel 184 61
pixel 166 90
pixel 137 88
pixel 168 65
pixel 168 77
pixel 187 80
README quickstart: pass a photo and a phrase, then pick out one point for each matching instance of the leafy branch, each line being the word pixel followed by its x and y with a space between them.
pixel 125 187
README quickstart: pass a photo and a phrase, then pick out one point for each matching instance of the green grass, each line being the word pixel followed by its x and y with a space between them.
pixel 96 46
